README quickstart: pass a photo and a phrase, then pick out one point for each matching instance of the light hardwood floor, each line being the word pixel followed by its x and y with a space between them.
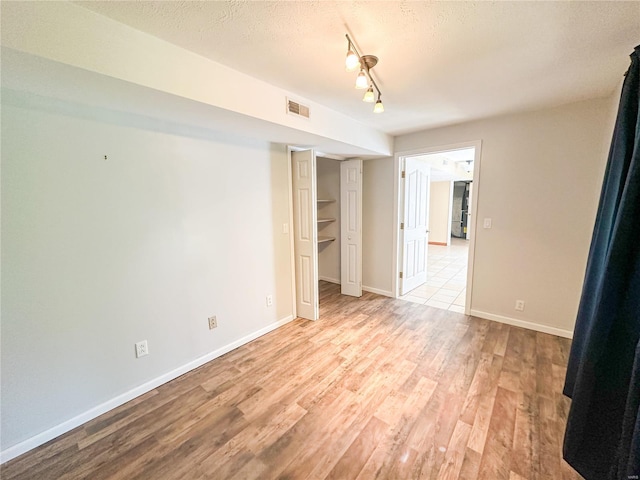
pixel 376 389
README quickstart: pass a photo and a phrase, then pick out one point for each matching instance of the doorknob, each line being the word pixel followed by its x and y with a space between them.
pixel 349 237
pixel 427 231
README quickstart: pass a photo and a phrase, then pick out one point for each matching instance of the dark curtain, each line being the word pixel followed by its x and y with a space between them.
pixel 602 439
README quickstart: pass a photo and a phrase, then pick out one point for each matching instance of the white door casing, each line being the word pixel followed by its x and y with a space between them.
pixel 305 227
pixel 351 227
pixel 415 234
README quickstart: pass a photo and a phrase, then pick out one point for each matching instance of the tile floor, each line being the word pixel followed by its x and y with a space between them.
pixel 446 277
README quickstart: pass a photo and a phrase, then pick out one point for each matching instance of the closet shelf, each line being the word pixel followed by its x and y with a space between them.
pixel 322 239
pixel 325 201
pixel 326 220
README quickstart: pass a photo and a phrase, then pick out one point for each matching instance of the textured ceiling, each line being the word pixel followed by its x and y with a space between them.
pixel 440 62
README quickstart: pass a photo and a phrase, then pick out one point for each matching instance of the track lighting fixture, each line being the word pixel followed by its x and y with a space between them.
pixel 365 63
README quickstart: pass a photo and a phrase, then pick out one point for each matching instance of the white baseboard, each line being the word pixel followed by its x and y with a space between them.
pixel 64 427
pixel 523 323
pixel 386 293
pixel 330 280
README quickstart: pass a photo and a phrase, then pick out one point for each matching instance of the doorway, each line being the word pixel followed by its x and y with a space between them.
pixel 448 255
pixel 326 211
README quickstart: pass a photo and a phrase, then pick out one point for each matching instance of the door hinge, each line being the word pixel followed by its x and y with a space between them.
pixel 400 274
pixel 402 226
pixel 403 174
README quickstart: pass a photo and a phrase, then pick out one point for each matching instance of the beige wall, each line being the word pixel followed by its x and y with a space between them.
pixel 440 212
pixel 540 179
pixel 377 225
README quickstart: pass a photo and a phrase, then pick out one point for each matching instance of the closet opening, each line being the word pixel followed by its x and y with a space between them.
pixel 326 199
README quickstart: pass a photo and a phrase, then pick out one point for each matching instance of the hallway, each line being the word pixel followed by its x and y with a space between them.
pixel 446 285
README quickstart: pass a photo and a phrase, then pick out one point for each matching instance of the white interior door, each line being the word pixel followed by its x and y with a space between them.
pixel 303 169
pixel 416 225
pixel 351 227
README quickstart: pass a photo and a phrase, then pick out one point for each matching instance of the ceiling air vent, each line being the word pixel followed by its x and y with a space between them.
pixel 295 108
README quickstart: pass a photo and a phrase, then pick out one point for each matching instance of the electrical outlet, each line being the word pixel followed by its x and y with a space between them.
pixel 269 300
pixel 213 322
pixel 142 349
pixel 520 305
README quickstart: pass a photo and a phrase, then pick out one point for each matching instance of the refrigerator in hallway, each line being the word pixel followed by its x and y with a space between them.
pixel 460 210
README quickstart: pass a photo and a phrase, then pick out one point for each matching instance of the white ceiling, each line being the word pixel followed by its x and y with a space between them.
pixel 440 62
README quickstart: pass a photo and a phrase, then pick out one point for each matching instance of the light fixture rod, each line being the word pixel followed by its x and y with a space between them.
pixel 364 66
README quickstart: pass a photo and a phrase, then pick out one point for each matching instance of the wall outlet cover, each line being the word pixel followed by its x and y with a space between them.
pixel 142 349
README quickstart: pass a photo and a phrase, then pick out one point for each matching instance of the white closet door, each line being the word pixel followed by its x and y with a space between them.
pixel 351 227
pixel 305 233
pixel 416 225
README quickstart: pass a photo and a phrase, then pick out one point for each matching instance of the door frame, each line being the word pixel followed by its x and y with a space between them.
pixel 292 259
pixel 398 210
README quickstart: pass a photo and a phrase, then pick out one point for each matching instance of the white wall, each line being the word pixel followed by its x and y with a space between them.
pixel 440 212
pixel 539 181
pixel 99 254
pixel 328 188
pixel 377 226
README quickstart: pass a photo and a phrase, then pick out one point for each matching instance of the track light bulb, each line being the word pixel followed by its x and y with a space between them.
pixel 352 62
pixel 361 80
pixel 369 97
pixel 378 108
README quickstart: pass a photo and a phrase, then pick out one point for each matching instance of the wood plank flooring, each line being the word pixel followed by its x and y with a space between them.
pixel 376 389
